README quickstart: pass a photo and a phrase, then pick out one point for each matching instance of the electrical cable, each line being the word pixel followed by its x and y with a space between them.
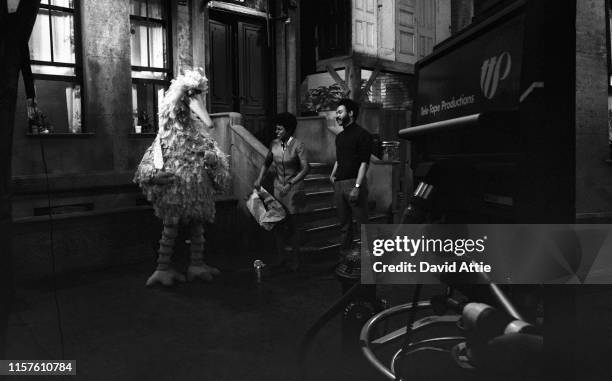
pixel 52 250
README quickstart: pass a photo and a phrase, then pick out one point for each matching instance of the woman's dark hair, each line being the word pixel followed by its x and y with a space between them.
pixel 287 120
pixel 349 105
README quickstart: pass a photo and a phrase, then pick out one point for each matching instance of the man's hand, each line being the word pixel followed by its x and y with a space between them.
pixel 163 178
pixel 257 184
pixel 354 195
pixel 332 179
pixel 285 189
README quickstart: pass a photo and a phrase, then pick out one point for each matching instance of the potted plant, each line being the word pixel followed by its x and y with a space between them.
pixel 145 121
pixel 322 98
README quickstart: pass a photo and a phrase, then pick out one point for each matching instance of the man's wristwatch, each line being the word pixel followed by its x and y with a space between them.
pixel 357 185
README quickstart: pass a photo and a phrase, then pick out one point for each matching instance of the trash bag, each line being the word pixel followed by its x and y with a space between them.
pixel 266 210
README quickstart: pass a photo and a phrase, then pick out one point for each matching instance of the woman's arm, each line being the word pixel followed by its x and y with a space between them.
pixel 305 167
pixel 263 170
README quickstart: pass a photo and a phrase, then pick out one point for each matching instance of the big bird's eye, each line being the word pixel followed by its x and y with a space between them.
pixel 193 92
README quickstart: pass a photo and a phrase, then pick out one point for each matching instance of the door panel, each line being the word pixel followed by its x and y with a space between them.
pixel 426 26
pixel 365 26
pixel 406 40
pixel 240 71
pixel 221 72
pixel 386 30
pixel 252 74
pixel 253 78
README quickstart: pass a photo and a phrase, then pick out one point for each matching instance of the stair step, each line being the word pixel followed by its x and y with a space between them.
pixel 320 168
pixel 319 214
pixel 320 193
pixel 317 225
pixel 329 229
pixel 316 177
pixel 319 199
pixel 317 182
pixel 324 250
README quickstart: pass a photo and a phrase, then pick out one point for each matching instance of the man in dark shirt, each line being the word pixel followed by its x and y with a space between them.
pixel 353 149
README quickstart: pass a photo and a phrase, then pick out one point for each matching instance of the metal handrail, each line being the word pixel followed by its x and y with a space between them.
pixel 445 125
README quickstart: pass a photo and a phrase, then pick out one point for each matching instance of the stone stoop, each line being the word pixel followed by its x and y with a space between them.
pixel 322 235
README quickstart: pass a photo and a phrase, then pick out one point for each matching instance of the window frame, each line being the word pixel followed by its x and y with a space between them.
pixel 77 78
pixel 168 69
pixel 76 14
pixel 167 25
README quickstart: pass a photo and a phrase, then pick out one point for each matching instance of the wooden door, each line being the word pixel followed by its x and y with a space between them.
pixel 253 79
pixel 221 67
pixel 239 71
pixel 426 26
pixel 365 26
pixel 406 34
pixel 386 29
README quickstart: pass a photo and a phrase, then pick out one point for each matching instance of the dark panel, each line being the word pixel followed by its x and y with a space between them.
pixel 254 89
pixel 333 21
pixel 221 76
pixel 252 73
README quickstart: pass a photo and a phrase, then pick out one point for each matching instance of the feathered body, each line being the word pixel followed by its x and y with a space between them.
pixel 199 167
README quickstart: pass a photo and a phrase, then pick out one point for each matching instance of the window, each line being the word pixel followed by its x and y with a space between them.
pixel 333 25
pixel 54 53
pixel 150 45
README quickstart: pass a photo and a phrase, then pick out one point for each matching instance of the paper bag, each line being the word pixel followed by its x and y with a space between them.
pixel 266 210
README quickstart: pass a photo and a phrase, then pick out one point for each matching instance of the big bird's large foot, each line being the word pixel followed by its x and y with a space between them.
pixel 165 277
pixel 203 272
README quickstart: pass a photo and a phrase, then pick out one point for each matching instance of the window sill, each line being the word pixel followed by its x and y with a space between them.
pixel 61 135
pixel 142 135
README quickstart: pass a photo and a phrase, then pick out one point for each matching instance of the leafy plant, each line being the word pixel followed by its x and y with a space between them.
pixel 145 121
pixel 322 98
pixel 39 123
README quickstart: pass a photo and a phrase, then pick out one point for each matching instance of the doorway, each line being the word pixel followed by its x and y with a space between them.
pixel 240 70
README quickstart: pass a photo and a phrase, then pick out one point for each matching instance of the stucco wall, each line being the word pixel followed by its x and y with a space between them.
pixel 593 176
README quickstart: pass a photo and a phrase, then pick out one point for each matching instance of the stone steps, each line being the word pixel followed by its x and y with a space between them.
pixel 321 236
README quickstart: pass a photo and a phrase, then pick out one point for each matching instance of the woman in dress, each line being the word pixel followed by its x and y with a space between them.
pixel 288 155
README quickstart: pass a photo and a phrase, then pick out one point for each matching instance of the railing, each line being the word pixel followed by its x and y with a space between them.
pixel 248 154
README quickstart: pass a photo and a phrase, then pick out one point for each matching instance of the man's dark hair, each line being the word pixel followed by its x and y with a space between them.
pixel 287 120
pixel 350 105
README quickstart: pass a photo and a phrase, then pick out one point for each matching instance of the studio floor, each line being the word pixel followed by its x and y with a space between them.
pixel 232 328
pixel 229 329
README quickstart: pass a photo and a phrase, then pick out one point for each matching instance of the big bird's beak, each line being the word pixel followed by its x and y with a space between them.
pixel 196 104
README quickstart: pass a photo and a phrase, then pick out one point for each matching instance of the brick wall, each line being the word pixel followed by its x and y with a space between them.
pixel 392 91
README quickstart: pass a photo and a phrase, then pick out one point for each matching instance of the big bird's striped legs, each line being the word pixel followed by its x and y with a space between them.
pixel 197 268
pixel 164 273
